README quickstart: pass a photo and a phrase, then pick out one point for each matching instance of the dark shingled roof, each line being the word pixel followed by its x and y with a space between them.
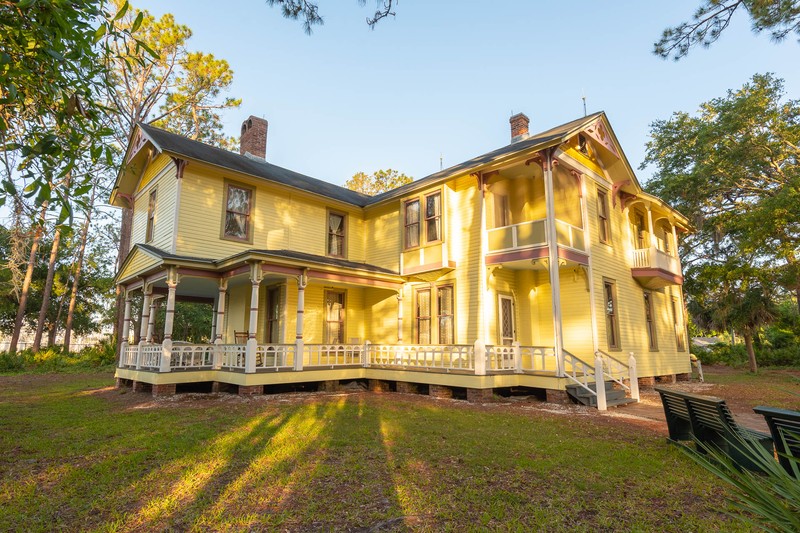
pixel 177 144
pixel 286 254
pixel 543 138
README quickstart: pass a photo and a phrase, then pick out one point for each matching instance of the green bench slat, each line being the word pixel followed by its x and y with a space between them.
pixel 709 421
pixel 784 425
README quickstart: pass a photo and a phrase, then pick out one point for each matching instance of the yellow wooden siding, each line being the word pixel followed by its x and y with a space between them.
pixel 576 319
pixel 281 219
pixel 614 262
pixel 380 316
pixel 465 232
pixel 160 174
pixel 153 169
pixel 383 236
pixel 140 262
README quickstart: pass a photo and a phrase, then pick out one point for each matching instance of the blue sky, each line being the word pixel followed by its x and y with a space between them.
pixel 442 78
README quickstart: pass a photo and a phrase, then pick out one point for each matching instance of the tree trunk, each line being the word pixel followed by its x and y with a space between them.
pixel 751 354
pixel 797 297
pixel 73 298
pixel 26 284
pixel 124 247
pixel 48 289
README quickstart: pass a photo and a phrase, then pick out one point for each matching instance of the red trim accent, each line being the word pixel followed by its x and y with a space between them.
pixel 519 255
pixel 236 271
pixel 194 273
pixel 657 273
pixel 572 255
pixel 428 267
pixel 352 279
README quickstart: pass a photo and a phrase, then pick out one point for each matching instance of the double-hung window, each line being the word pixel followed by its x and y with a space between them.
pixel 612 317
pixel 442 330
pixel 238 208
pixel 412 224
pixel 336 234
pixel 650 321
pixel 603 226
pixel 151 216
pixel 433 217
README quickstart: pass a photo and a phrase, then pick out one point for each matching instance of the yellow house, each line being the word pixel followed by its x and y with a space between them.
pixel 541 265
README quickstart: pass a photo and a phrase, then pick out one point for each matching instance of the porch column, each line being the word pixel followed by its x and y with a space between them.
pixel 151 320
pixel 302 281
pixel 220 322
pixel 252 344
pixel 169 316
pixel 213 336
pixel 400 294
pixel 126 330
pixel 653 242
pixel 147 292
pixel 552 258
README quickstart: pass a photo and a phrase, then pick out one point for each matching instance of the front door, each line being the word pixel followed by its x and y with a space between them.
pixel 506 305
pixel 334 317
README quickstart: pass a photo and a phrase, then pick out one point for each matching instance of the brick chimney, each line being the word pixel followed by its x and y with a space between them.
pixel 519 127
pixel 254 137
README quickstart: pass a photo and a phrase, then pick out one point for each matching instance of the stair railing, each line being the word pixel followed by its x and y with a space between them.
pixel 588 373
pixel 617 371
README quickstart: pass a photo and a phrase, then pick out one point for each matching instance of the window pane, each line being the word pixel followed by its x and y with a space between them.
pixel 412 212
pixel 412 236
pixel 236 225
pixel 432 206
pixel 446 330
pixel 238 200
pixel 432 233
pixel 444 302
pixel 424 331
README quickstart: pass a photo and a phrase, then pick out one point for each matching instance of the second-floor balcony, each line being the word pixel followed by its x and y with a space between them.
pixel 528 240
pixel 654 268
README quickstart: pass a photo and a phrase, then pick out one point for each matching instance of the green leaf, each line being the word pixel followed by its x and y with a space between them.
pixel 137 22
pixel 100 32
pixel 122 11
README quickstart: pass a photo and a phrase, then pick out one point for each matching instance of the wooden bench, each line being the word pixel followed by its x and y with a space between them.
pixel 785 428
pixel 708 421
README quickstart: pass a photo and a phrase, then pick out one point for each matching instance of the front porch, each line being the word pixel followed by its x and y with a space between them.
pixel 475 367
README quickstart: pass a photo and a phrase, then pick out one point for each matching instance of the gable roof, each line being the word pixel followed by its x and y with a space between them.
pixel 179 145
pixel 176 144
pixel 159 256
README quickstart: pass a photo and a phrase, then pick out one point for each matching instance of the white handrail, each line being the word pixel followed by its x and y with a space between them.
pixel 275 356
pixel 614 369
pixel 447 357
pixel 333 355
pixel 151 355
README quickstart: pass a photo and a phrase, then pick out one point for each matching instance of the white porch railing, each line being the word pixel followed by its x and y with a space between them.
pixel 522 235
pixel 130 355
pixel 333 355
pixel 275 356
pixel 569 235
pixel 232 356
pixel 192 356
pixel 521 358
pixel 458 357
pixel 444 357
pixel 151 355
pixel 654 258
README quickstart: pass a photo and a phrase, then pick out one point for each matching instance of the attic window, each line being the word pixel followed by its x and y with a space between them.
pixel 582 144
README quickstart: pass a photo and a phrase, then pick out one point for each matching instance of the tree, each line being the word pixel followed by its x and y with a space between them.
pixel 779 17
pixel 377 182
pixel 308 11
pixel 51 80
pixel 177 90
pixel 733 169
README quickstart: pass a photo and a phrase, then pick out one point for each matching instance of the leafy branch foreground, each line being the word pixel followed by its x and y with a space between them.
pixel 78 455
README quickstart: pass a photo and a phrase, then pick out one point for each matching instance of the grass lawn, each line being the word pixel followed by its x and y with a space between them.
pixel 76 454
